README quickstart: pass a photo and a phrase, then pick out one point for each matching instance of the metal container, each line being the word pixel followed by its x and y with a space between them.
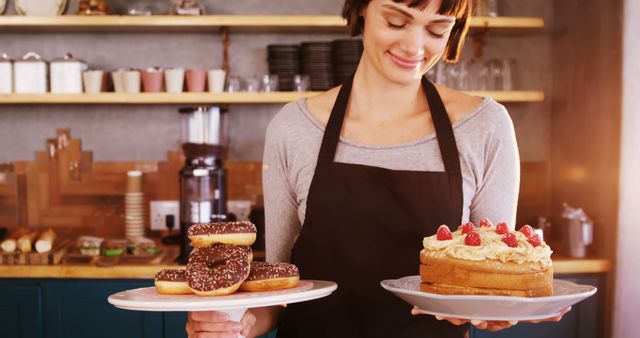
pixel 66 74
pixel 578 231
pixel 6 74
pixel 203 125
pixel 30 74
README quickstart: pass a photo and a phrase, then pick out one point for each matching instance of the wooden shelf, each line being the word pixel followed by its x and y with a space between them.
pixel 210 22
pixel 212 98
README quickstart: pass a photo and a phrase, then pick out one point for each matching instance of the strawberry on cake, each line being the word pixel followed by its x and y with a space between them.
pixel 486 260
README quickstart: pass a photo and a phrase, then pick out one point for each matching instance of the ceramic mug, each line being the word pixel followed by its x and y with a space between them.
pixel 118 80
pixel 196 80
pixel 92 80
pixel 132 81
pixel 216 79
pixel 174 80
pixel 152 80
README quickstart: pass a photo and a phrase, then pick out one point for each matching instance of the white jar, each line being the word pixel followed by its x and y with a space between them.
pixel 66 74
pixel 30 74
pixel 6 74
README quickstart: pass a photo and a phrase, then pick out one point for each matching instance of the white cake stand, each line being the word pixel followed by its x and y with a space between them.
pixel 235 305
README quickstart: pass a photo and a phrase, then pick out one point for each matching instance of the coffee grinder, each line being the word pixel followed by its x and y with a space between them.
pixel 203 179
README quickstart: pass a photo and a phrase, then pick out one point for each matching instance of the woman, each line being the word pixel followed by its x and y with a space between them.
pixel 354 178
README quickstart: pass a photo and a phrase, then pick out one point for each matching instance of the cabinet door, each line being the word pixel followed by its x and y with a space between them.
pixel 581 322
pixel 174 324
pixel 20 311
pixel 79 308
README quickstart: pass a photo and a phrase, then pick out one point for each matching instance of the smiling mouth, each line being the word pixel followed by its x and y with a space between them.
pixel 405 63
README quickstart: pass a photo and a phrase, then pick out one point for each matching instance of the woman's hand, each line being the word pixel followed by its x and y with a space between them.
pixel 214 324
pixel 491 325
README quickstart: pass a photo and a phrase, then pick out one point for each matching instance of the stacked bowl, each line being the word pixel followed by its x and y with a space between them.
pixel 284 61
pixel 316 59
pixel 346 56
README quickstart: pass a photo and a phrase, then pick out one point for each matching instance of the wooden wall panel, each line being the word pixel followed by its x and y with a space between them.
pixel 65 189
pixel 586 103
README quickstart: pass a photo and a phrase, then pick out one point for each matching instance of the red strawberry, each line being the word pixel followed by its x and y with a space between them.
pixel 535 240
pixel 502 228
pixel 527 230
pixel 510 239
pixel 485 223
pixel 467 227
pixel 443 233
pixel 472 238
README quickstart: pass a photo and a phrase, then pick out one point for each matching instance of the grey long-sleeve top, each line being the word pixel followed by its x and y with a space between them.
pixel 488 157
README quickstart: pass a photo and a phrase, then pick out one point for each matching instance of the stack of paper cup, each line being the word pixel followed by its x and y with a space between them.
pixel 134 206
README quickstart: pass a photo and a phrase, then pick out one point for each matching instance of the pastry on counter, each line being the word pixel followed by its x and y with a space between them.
pixel 143 247
pixel 10 244
pixel 45 241
pixel 89 245
pixel 25 242
pixel 113 247
pixel 486 260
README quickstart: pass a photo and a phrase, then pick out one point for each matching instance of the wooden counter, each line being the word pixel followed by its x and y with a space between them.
pixel 561 266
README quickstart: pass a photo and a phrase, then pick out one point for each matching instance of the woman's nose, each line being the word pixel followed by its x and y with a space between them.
pixel 412 43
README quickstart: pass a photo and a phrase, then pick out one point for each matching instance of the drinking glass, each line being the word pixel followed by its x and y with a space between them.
pixel 253 84
pixel 234 84
pixel 270 83
pixel 301 83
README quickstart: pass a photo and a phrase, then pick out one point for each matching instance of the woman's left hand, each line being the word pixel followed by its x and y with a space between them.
pixel 491 325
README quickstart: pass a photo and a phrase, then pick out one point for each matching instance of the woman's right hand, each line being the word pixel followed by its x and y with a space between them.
pixel 214 324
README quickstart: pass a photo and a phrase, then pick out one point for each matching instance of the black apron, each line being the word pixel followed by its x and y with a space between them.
pixel 364 224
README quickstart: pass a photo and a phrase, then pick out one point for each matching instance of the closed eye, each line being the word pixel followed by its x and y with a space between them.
pixel 434 34
pixel 394 26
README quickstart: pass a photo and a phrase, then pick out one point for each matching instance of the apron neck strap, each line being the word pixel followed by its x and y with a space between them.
pixel 334 125
pixel 444 130
pixel 441 122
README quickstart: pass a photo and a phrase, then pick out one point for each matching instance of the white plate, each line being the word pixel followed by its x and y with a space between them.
pixel 40 7
pixel 565 294
pixel 147 299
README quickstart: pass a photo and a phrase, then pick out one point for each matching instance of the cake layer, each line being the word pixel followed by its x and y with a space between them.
pixel 444 289
pixel 453 275
pixel 429 257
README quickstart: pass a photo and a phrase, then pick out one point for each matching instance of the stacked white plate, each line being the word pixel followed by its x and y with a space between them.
pixel 134 214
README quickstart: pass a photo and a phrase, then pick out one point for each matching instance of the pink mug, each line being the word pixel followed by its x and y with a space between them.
pixel 152 80
pixel 196 80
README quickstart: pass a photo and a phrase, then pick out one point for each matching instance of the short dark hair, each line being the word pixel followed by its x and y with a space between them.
pixel 460 9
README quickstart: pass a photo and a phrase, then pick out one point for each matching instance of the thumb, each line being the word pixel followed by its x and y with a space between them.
pixel 247 322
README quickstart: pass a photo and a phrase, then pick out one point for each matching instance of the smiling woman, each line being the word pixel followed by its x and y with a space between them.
pixel 355 177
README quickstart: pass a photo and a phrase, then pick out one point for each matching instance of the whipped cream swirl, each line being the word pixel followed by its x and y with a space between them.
pixel 491 247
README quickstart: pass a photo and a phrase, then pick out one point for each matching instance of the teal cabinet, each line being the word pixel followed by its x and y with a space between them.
pixel 174 324
pixel 78 308
pixel 74 308
pixel 20 310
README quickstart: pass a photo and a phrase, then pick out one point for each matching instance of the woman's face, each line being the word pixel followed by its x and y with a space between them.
pixel 402 43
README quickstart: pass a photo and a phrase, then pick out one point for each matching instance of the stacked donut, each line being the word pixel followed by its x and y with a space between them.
pixel 222 262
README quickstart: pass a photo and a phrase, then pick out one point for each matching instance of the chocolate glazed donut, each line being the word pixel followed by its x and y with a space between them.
pixel 172 282
pixel 271 276
pixel 235 233
pixel 217 270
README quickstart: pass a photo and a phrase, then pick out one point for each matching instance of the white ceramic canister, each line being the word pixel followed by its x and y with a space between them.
pixel 66 74
pixel 6 74
pixel 30 74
